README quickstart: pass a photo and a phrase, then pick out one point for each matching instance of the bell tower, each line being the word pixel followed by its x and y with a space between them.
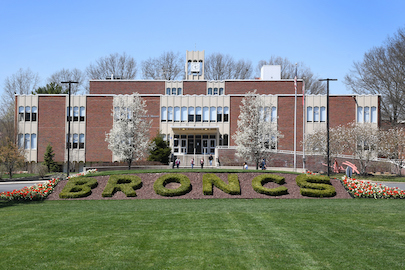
pixel 195 65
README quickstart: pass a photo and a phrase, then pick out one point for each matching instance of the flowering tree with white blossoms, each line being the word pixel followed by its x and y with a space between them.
pixel 129 137
pixel 392 146
pixel 316 142
pixel 256 133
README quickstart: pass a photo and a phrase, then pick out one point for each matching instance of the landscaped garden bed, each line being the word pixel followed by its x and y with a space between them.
pixel 287 190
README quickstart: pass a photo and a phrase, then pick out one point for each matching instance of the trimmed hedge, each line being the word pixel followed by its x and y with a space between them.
pixel 161 182
pixel 315 186
pixel 78 187
pixel 125 183
pixel 259 181
pixel 210 180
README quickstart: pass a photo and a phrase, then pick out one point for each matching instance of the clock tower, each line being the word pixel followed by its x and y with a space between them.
pixel 195 65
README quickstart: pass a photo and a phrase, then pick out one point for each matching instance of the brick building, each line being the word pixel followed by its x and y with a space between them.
pixel 197 117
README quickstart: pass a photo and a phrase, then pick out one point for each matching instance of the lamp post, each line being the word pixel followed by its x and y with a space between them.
pixel 327 117
pixel 69 119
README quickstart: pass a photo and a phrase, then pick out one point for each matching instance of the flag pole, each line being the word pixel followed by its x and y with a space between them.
pixel 295 119
pixel 303 125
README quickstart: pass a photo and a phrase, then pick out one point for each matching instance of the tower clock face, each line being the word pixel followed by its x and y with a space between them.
pixel 195 67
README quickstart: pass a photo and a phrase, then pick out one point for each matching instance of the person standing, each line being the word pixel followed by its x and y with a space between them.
pixel 177 163
pixel 202 163
pixel 263 164
pixel 192 163
pixel 210 158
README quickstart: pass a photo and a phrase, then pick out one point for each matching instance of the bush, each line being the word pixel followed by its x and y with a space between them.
pixel 125 183
pixel 210 180
pixel 161 182
pixel 315 186
pixel 259 181
pixel 78 187
pixel 41 170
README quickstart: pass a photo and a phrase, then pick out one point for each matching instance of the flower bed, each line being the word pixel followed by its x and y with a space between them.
pixel 36 192
pixel 367 189
pixel 83 173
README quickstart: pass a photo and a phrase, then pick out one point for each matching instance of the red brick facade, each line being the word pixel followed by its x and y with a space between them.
pixel 99 122
pixel 118 87
pixel 51 126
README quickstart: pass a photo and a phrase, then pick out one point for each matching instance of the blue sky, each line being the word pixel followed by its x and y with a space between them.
pixel 326 36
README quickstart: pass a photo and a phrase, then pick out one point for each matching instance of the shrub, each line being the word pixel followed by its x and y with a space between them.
pixel 210 180
pixel 125 183
pixel 78 188
pixel 315 186
pixel 41 170
pixel 259 181
pixel 161 182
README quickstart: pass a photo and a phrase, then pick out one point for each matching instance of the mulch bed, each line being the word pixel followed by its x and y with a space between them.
pixel 245 179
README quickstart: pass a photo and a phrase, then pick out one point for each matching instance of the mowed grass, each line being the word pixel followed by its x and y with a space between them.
pixel 203 234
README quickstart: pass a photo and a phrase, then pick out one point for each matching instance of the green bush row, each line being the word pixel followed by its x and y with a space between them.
pixel 161 182
pixel 125 183
pixel 210 180
pixel 259 181
pixel 78 188
pixel 315 186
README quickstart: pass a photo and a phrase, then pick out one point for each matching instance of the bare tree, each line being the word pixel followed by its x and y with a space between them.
pixel 122 66
pixel 22 83
pixel 75 75
pixel 168 66
pixel 392 146
pixel 221 67
pixel 312 83
pixel 382 71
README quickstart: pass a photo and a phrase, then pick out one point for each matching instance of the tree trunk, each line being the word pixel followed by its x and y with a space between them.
pixel 10 173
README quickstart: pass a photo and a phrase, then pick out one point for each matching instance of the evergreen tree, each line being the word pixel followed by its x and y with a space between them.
pixel 161 151
pixel 48 159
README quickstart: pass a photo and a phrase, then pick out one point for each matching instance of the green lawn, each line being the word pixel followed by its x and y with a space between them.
pixel 203 234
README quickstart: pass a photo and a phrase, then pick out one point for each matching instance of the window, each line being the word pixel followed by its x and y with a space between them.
pixel 366 114
pixel 316 114
pixel 359 114
pixel 69 113
pixel 261 113
pixel 174 91
pixel 323 114
pixel 167 91
pixel 183 114
pixel 198 114
pixel 33 141
pixel 34 114
pixel 373 115
pixel 226 114
pixel 21 113
pixel 20 140
pixel 75 113
pixel 27 113
pixel 27 141
pixel 266 114
pixel 215 91
pixel 309 114
pixel 213 114
pixel 176 114
pixel 163 116
pixel 221 91
pixel 219 114
pixel 179 91
pixel 209 91
pixel 273 114
pixel 206 115
pixel 225 140
pixel 75 140
pixel 82 113
pixel 81 141
pixel 68 141
pixel 170 114
pixel 191 114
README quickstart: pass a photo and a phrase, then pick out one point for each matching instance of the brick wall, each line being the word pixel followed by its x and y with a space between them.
pixel 342 110
pixel 127 87
pixel 195 87
pixel 99 122
pixel 285 112
pixel 262 87
pixel 153 107
pixel 51 126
